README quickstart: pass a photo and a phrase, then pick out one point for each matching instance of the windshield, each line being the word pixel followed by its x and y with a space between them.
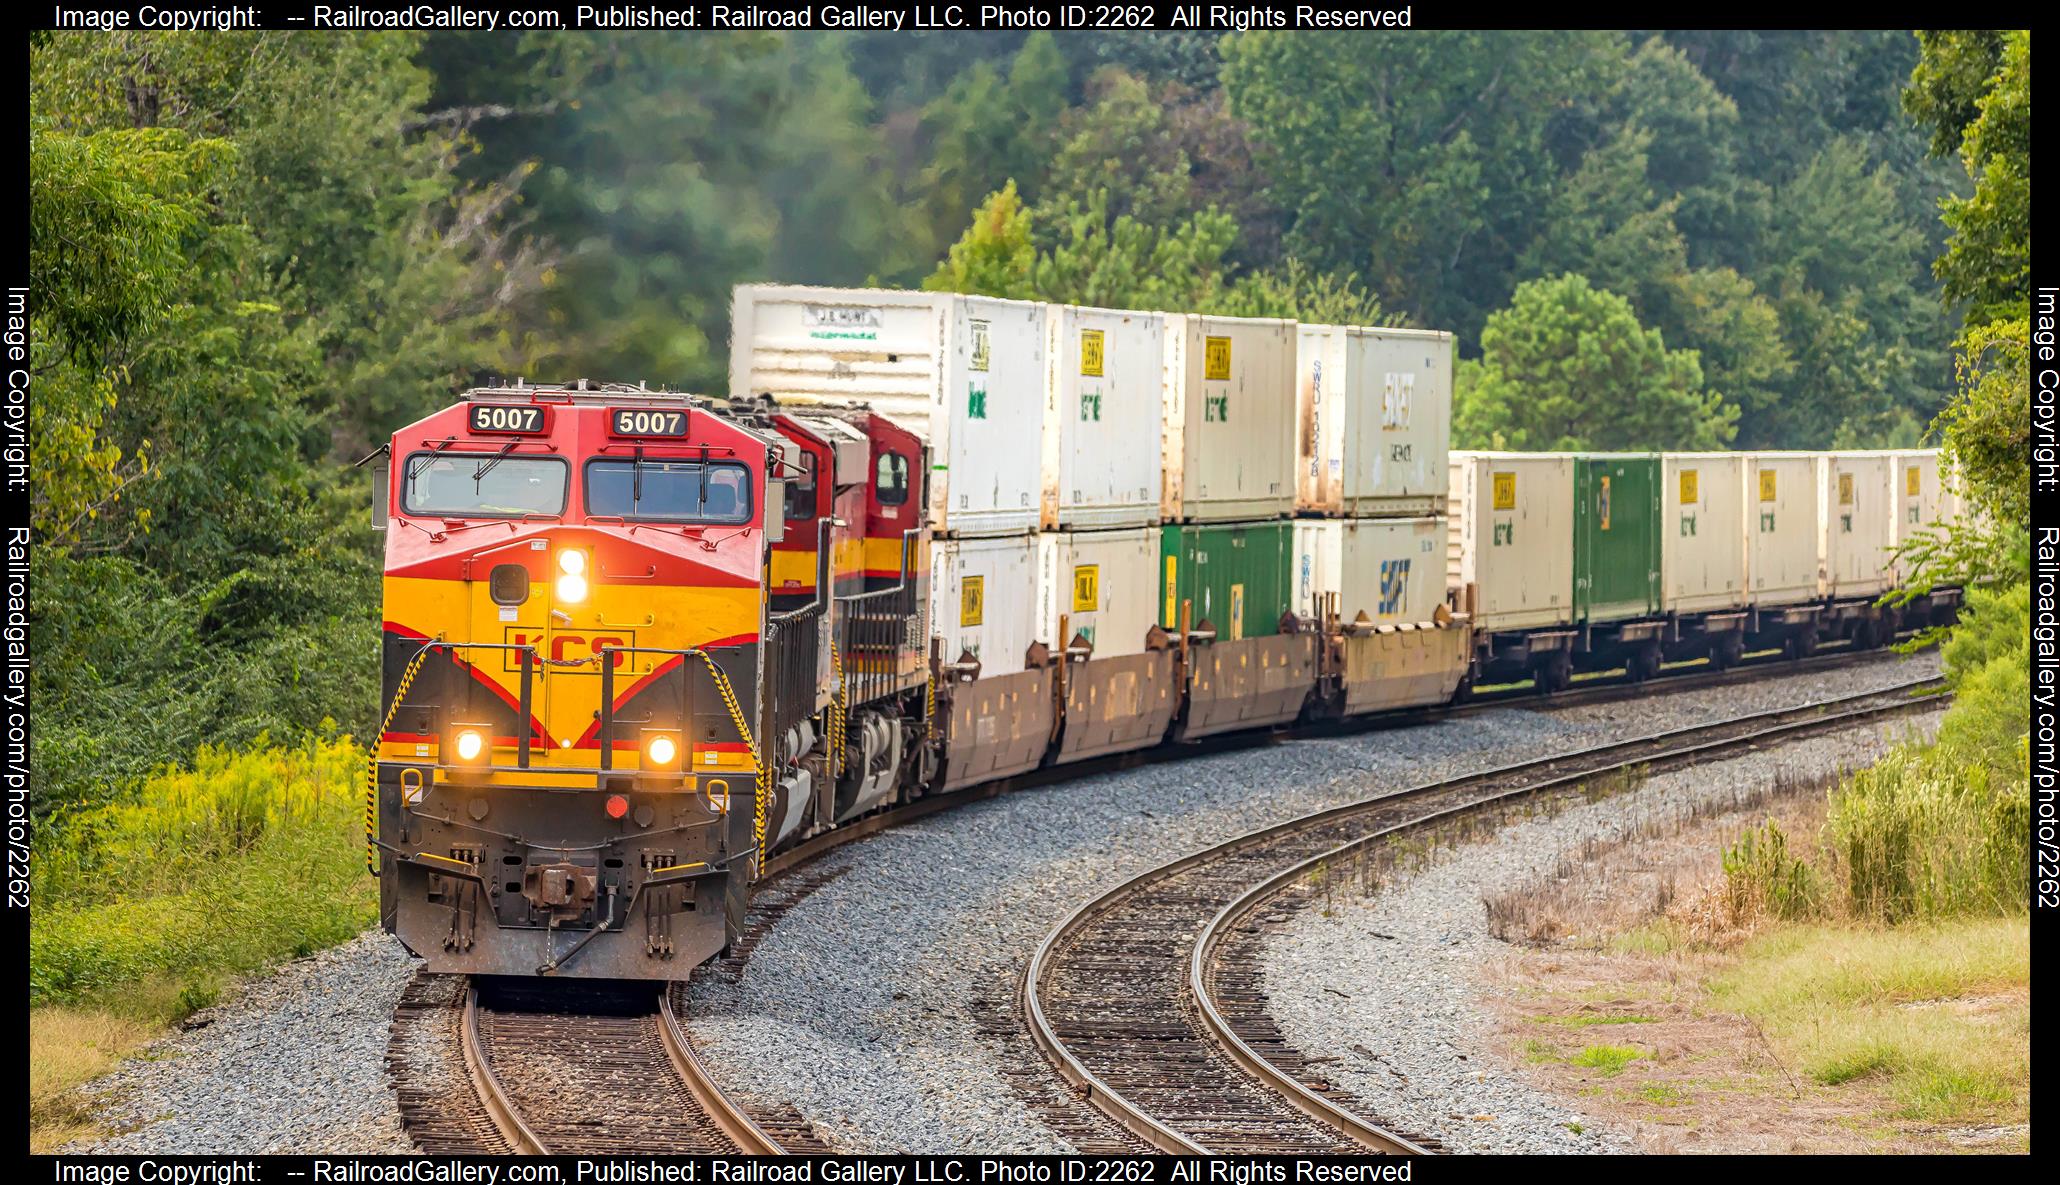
pixel 476 485
pixel 670 491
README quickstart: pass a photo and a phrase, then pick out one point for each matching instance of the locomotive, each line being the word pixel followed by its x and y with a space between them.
pixel 635 641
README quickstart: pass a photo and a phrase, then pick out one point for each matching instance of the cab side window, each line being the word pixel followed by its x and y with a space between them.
pixel 890 480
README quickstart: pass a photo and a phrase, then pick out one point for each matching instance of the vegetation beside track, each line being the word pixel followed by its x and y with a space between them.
pixel 147 907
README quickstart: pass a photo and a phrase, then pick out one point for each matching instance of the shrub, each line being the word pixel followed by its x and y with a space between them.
pixel 1761 876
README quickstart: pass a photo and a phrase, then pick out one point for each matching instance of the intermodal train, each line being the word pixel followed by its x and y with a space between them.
pixel 635 641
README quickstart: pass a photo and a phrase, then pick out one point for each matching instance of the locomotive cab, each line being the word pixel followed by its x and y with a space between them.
pixel 567 779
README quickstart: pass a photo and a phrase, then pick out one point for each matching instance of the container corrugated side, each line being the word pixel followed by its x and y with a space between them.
pixel 1235 576
pixel 983 600
pixel 1102 584
pixel 1859 523
pixel 1391 569
pixel 1398 420
pixel 1616 536
pixel 1702 531
pixel 1228 432
pixel 1784 540
pixel 1104 396
pixel 965 373
pixel 1515 543
pixel 1921 500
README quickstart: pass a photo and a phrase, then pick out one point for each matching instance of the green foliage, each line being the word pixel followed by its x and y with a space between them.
pixel 248 857
pixel 1988 261
pixel 1761 876
pixel 995 256
pixel 1568 366
pixel 1942 829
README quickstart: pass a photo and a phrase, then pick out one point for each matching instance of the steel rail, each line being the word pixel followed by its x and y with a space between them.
pixel 735 1122
pixel 1782 721
pixel 499 1107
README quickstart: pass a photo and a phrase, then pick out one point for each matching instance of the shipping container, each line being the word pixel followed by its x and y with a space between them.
pixel 1702 530
pixel 1616 536
pixel 1392 570
pixel 1228 444
pixel 983 601
pixel 1105 392
pixel 1859 525
pixel 965 373
pixel 1374 419
pixel 1234 575
pixel 1783 563
pixel 1511 527
pixel 1099 583
pixel 1921 500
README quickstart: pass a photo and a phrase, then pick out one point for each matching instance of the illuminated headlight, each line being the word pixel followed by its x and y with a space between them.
pixel 662 750
pixel 572 587
pixel 572 562
pixel 470 745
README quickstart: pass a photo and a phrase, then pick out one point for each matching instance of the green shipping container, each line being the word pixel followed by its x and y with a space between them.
pixel 1616 536
pixel 1239 576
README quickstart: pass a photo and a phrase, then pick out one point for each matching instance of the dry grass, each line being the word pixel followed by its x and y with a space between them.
pixel 68 1047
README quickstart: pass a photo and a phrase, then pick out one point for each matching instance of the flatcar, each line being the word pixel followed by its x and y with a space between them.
pixel 635 641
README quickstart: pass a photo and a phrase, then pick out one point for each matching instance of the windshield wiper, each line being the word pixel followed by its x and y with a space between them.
pixel 415 471
pixel 636 478
pixel 487 466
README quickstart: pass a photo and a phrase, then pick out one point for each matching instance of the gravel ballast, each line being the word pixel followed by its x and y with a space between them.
pixel 1388 988
pixel 295 1063
pixel 862 1006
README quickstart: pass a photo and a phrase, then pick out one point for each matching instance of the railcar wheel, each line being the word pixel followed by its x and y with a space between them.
pixel 1801 644
pixel 1555 674
pixel 1727 650
pixel 1643 663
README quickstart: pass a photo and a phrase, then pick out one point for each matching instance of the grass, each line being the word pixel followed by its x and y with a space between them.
pixel 1936 1015
pixel 1584 1020
pixel 1608 1059
pixel 148 907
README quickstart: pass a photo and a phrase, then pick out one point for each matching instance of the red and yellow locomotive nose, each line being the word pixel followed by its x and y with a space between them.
pixel 548 589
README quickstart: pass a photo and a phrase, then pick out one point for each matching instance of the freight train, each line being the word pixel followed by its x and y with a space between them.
pixel 635 641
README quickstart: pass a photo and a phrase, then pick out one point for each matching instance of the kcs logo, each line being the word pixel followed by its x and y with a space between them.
pixel 568 646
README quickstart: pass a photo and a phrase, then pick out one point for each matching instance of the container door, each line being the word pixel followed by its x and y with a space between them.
pixel 1616 537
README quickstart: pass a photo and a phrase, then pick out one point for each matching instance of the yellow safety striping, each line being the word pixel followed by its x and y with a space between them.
pixel 679 867
pixel 372 763
pixel 445 859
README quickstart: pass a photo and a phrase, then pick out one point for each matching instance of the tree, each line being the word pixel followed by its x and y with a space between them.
pixel 994 257
pixel 1987 263
pixel 1568 366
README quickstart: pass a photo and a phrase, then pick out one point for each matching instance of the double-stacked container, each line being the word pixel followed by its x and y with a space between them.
pixel 967 375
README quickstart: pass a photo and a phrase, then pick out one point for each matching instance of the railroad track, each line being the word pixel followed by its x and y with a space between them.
pixel 1131 999
pixel 564 1069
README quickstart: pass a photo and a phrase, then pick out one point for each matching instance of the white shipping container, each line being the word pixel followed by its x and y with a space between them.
pixel 983 600
pixel 1103 584
pixel 1104 395
pixel 1858 496
pixel 1783 560
pixel 1921 501
pixel 1229 426
pixel 1702 531
pixel 1390 569
pixel 1374 411
pixel 965 373
pixel 1511 531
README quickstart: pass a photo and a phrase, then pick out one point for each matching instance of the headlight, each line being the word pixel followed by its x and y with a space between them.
pixel 663 750
pixel 572 562
pixel 572 587
pixel 470 745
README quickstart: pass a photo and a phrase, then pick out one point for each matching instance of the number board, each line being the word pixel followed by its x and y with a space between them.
pixel 527 419
pixel 644 421
pixel 1216 359
pixel 1091 353
pixel 1505 491
pixel 1087 587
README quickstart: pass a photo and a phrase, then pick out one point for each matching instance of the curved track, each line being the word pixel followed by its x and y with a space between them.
pixel 1132 1005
